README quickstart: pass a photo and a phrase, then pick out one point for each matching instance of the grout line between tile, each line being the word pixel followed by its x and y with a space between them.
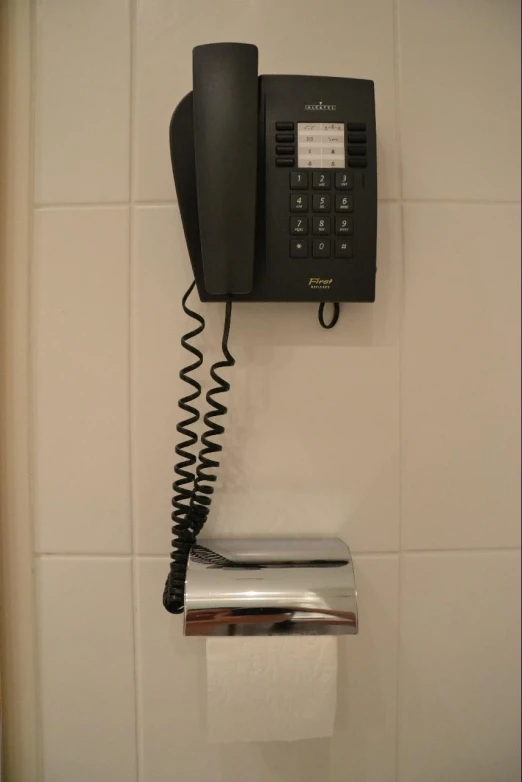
pixel 144 204
pixel 356 554
pixel 398 129
pixel 172 202
pixel 461 201
pixel 81 205
pixel 32 391
pixel 130 398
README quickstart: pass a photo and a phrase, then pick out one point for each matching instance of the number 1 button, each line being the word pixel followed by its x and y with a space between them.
pixel 298 180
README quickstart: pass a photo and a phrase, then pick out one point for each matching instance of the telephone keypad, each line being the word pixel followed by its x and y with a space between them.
pixel 298 225
pixel 321 180
pixel 321 203
pixel 321 226
pixel 299 203
pixel 332 235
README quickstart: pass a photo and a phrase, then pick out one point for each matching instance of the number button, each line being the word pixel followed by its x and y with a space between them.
pixel 299 226
pixel 298 180
pixel 343 248
pixel 321 203
pixel 344 203
pixel 298 248
pixel 344 181
pixel 321 248
pixel 344 226
pixel 321 225
pixel 298 203
pixel 320 180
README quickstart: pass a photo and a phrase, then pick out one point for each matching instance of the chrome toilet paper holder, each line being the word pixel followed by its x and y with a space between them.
pixel 270 586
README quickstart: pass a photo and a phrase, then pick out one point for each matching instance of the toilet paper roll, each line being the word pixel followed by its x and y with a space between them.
pixel 271 688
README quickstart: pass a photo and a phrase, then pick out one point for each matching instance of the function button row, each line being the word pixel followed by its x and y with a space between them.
pixel 321 248
pixel 321 180
pixel 321 203
pixel 357 154
pixel 321 226
pixel 285 155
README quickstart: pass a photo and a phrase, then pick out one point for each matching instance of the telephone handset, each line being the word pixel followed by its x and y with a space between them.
pixel 276 178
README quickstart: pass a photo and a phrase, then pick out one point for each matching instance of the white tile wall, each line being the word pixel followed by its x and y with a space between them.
pixel 82 101
pixel 461 376
pixel 81 376
pixel 459 710
pixel 398 430
pixel 460 99
pixel 86 669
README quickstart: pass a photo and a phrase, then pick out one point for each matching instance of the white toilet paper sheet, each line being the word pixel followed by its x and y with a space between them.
pixel 271 688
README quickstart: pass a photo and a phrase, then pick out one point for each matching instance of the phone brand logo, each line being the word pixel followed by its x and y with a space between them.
pixel 316 283
pixel 320 106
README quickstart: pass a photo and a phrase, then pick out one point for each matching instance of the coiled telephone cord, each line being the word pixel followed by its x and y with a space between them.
pixel 193 489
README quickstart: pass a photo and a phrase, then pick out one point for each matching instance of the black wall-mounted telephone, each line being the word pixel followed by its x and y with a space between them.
pixel 276 178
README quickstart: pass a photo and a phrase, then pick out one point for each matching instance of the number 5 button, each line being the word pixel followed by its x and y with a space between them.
pixel 321 203
pixel 344 203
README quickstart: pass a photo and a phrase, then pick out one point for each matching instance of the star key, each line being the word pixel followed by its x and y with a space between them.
pixel 298 248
